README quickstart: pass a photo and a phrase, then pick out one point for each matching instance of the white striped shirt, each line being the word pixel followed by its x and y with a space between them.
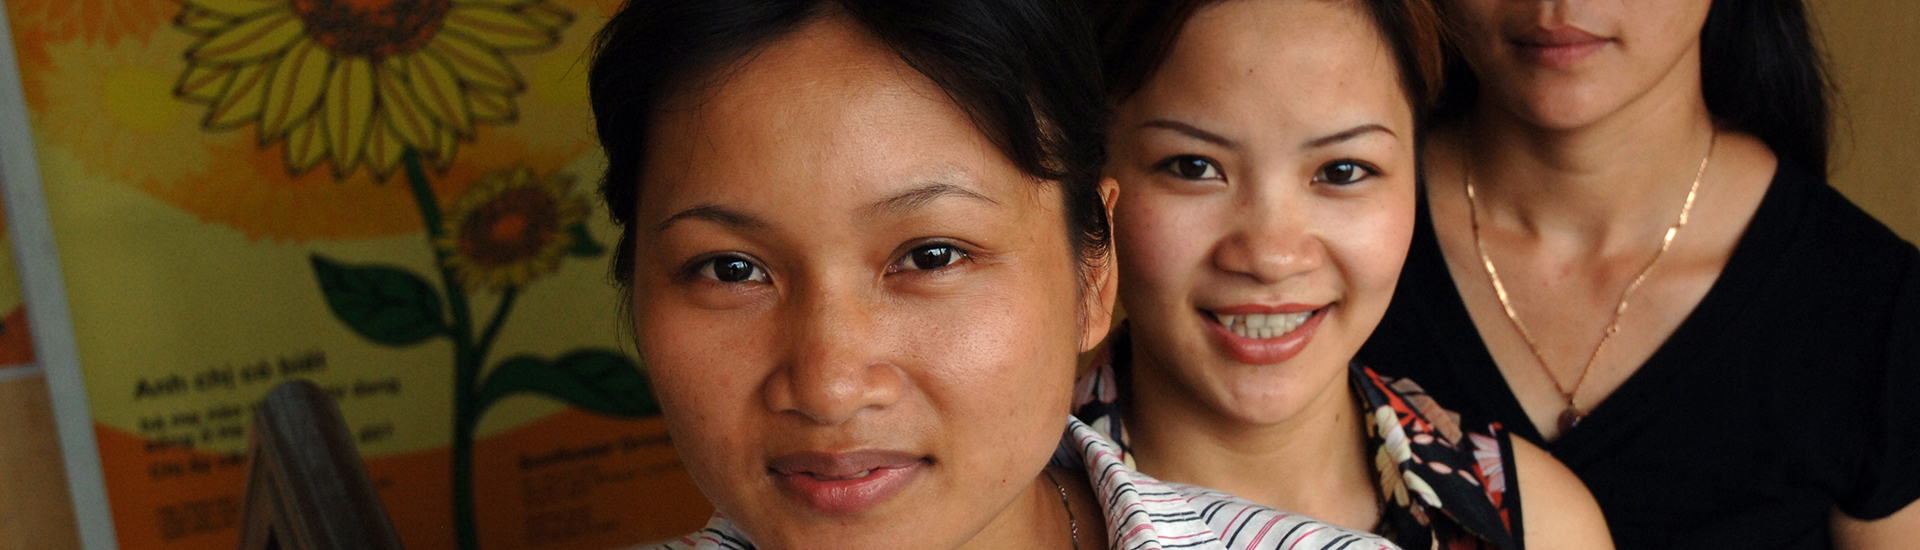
pixel 1142 513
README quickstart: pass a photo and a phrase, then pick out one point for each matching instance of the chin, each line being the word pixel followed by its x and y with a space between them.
pixel 1561 106
pixel 1272 394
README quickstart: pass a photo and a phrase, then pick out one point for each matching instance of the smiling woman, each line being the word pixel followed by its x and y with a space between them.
pixel 1265 151
pixel 865 242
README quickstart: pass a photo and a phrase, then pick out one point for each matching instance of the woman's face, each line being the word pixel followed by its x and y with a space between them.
pixel 860 319
pixel 1566 64
pixel 1266 205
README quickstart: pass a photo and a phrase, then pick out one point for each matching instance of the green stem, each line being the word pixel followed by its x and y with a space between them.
pixel 499 318
pixel 466 359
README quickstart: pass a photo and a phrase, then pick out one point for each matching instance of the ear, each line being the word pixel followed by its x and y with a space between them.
pixel 1103 279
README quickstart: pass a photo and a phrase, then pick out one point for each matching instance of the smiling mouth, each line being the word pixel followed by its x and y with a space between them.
pixel 1263 326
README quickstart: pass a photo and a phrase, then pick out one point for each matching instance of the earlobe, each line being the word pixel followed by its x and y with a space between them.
pixel 1105 278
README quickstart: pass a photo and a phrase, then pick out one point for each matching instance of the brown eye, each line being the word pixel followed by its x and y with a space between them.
pixel 930 257
pixel 934 257
pixel 1343 172
pixel 1192 167
pixel 732 269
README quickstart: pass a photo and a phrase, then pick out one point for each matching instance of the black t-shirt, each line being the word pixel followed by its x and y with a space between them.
pixel 1793 388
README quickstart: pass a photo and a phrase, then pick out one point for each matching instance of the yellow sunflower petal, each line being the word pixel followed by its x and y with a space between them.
pixel 349 110
pixel 383 150
pixel 443 154
pixel 306 145
pixel 553 17
pixel 249 40
pixel 203 82
pixel 199 21
pixel 239 7
pixel 240 102
pixel 490 106
pixel 436 88
pixel 477 65
pixel 295 90
pixel 402 112
pixel 499 28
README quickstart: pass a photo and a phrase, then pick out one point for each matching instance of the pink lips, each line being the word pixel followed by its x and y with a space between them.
pixel 1560 48
pixel 1265 351
pixel 842 484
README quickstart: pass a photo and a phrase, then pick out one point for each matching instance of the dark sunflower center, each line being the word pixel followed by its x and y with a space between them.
pixel 511 228
pixel 372 28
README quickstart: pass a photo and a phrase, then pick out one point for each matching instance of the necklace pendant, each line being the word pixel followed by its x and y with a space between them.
pixel 1569 418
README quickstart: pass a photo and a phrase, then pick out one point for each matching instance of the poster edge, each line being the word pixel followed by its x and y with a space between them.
pixel 44 292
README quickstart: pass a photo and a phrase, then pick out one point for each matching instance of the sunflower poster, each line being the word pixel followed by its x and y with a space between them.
pixel 391 198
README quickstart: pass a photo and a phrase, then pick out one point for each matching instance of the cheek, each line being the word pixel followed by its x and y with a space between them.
pixel 997 373
pixel 705 371
pixel 1162 242
pixel 1478 22
pixel 1014 338
pixel 1371 244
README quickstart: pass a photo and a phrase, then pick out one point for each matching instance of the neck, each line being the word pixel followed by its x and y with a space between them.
pixel 1039 519
pixel 1178 437
pixel 1600 182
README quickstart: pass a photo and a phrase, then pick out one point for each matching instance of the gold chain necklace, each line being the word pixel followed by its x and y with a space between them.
pixel 1573 414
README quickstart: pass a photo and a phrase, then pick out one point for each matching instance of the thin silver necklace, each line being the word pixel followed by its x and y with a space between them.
pixel 1073 525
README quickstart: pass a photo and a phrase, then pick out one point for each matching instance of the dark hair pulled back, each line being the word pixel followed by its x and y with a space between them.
pixel 1025 71
pixel 1136 36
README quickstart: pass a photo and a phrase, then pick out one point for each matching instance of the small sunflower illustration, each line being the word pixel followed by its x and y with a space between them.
pixel 511 228
pixel 358 82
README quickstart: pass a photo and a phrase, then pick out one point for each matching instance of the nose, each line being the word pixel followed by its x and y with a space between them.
pixel 836 367
pixel 1271 235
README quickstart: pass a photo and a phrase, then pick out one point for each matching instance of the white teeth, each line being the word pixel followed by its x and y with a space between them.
pixel 1265 326
pixel 827 478
pixel 1226 320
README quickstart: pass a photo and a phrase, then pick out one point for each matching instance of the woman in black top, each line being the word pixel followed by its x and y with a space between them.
pixel 1627 253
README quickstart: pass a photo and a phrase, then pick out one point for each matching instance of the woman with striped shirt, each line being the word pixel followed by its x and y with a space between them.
pixel 864 243
pixel 1265 152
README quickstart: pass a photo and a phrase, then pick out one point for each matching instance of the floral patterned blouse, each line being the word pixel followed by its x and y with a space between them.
pixel 1444 487
pixel 1142 513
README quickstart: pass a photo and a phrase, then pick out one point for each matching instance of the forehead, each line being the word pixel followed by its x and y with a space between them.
pixel 1300 60
pixel 825 112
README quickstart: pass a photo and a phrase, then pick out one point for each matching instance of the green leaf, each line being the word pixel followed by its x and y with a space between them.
pixel 385 304
pixel 583 244
pixel 601 381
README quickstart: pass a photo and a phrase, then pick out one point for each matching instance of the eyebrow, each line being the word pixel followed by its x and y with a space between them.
pixel 910 199
pixel 1347 135
pixel 1194 132
pixel 716 214
pixel 1189 130
pixel 922 194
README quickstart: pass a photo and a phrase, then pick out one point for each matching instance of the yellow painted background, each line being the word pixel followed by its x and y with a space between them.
pixel 185 248
pixel 1873 60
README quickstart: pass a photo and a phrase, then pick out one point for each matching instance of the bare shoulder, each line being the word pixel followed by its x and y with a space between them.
pixel 1556 509
pixel 1896 531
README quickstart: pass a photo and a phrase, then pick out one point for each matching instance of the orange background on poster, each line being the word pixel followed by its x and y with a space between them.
pixel 655 501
